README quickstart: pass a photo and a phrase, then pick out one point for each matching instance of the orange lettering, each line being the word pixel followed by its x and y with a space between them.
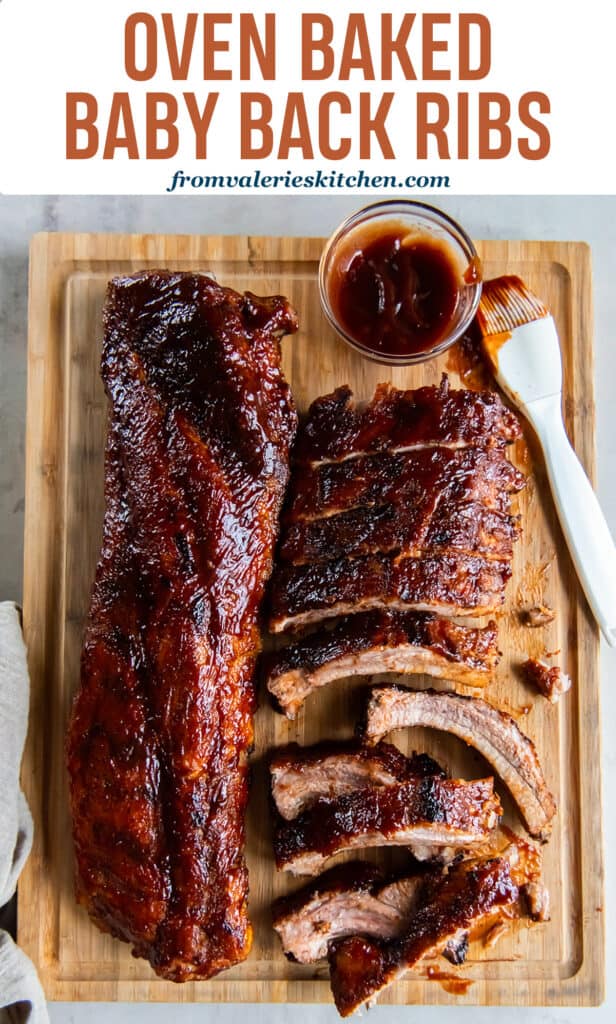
pixel 85 123
pixel 463 126
pixel 494 122
pixel 295 111
pixel 130 47
pixel 327 149
pixel 310 45
pixel 121 116
pixel 201 120
pixel 370 124
pixel 432 126
pixel 397 45
pixel 430 46
pixel 356 33
pixel 482 68
pixel 179 63
pixel 157 121
pixel 538 127
pixel 264 51
pixel 258 121
pixel 212 46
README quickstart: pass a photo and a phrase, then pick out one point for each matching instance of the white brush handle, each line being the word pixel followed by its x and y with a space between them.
pixel 586 531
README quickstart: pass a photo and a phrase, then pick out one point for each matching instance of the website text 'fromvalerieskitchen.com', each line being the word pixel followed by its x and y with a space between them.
pixel 318 180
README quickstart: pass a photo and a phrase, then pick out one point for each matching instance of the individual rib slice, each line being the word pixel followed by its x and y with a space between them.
pixel 419 478
pixel 380 641
pixel 492 732
pixel 431 812
pixel 472 898
pixel 196 465
pixel 447 585
pixel 350 899
pixel 413 530
pixel 336 429
pixel 302 775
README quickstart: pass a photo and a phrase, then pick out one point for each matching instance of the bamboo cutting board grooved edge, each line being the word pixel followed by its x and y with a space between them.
pixel 561 963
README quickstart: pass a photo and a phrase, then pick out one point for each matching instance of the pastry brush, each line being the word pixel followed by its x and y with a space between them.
pixel 521 342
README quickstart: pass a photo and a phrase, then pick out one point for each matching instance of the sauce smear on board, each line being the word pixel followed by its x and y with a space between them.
pixel 395 292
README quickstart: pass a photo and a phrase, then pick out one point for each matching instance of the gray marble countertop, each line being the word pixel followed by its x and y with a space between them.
pixel 590 219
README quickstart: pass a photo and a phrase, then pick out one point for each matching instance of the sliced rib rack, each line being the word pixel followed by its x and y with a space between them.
pixel 450 584
pixel 400 507
pixel 403 420
pixel 358 899
pixel 200 427
pixel 302 775
pixel 350 899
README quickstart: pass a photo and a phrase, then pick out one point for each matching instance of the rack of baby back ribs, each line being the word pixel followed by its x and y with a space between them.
pixel 398 519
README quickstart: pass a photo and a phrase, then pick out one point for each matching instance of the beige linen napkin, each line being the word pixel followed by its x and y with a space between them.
pixel 21 996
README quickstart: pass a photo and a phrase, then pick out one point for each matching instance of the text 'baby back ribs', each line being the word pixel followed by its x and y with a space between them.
pixel 402 505
pixel 200 427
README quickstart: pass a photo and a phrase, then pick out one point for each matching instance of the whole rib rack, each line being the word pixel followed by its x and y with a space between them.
pixel 200 427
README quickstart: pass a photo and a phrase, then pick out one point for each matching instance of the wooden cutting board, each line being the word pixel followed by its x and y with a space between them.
pixel 561 962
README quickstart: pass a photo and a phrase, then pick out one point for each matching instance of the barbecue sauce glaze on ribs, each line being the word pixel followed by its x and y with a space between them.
pixel 476 722
pixel 397 420
pixel 300 776
pixel 471 895
pixel 201 422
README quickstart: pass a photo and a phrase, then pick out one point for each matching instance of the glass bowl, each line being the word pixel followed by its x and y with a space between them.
pixel 426 222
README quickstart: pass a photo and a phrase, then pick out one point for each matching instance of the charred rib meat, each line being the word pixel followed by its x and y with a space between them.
pixel 356 899
pixel 401 420
pixel 350 899
pixel 446 585
pixel 402 505
pixel 469 528
pixel 551 681
pixel 418 479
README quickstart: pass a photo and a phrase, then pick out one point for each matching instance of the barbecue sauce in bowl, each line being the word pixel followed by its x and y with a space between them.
pixel 396 293
pixel 397 290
